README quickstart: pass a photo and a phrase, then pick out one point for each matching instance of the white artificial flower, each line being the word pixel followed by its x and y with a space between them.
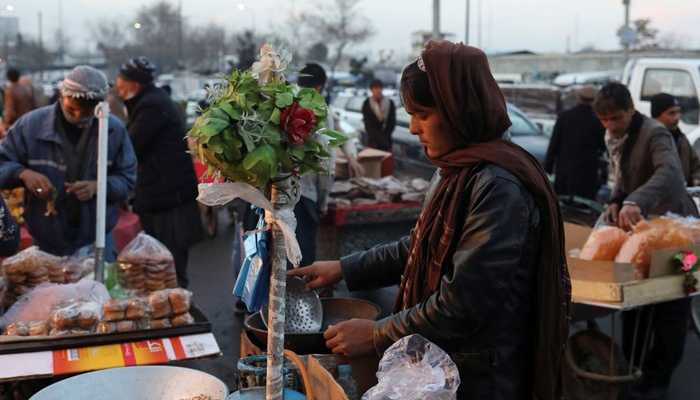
pixel 272 64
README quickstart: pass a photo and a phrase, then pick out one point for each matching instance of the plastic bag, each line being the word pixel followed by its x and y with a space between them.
pixel 638 248
pixel 169 302
pixel 146 265
pixel 26 270
pixel 76 267
pixel 78 314
pixel 415 368
pixel 39 303
pixel 604 242
pixel 253 283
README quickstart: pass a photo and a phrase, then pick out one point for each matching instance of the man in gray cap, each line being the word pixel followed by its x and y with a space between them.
pixel 576 147
pixel 52 152
pixel 166 189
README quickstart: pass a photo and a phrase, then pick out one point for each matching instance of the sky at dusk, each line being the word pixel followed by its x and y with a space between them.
pixel 537 25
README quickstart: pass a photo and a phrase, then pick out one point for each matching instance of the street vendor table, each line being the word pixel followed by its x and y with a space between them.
pixel 23 366
pixel 345 230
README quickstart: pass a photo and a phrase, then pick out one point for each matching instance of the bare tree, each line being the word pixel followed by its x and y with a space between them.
pixel 646 35
pixel 157 37
pixel 341 25
pixel 318 53
pixel 111 40
pixel 674 41
pixel 206 48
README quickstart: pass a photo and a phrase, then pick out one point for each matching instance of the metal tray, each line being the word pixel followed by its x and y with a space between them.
pixel 28 344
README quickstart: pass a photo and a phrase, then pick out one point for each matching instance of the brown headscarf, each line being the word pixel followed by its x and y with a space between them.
pixel 473 106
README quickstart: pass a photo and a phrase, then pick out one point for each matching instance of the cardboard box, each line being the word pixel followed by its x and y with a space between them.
pixel 370 159
pixel 614 283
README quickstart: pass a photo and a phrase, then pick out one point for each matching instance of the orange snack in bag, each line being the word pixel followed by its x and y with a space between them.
pixel 603 244
pixel 638 248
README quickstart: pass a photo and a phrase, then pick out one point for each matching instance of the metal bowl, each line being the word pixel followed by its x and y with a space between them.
pixel 136 383
pixel 335 310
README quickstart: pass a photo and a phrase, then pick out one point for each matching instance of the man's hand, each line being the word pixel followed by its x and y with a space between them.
pixel 319 274
pixel 611 214
pixel 351 338
pixel 354 168
pixel 629 216
pixel 83 190
pixel 36 183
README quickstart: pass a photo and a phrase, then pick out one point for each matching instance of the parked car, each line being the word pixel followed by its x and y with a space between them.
pixel 410 157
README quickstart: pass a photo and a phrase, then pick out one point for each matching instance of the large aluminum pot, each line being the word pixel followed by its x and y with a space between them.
pixel 136 383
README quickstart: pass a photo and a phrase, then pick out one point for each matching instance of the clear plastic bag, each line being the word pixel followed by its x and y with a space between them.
pixel 26 270
pixel 604 242
pixel 414 368
pixel 146 265
pixel 76 314
pixel 38 304
pixel 169 302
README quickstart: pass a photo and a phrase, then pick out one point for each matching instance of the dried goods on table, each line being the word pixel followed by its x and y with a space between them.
pixel 387 190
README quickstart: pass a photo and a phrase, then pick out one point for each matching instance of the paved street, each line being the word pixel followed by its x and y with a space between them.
pixel 212 281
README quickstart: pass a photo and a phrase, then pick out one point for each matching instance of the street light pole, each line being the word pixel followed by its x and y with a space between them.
pixel 466 33
pixel 179 30
pixel 41 50
pixel 436 19
pixel 626 3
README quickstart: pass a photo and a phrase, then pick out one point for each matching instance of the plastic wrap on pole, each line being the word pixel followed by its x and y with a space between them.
pixel 219 194
pixel 102 113
pixel 284 196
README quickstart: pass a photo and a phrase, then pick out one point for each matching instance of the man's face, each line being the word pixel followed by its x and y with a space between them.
pixel 376 92
pixel 617 122
pixel 75 110
pixel 670 118
pixel 127 89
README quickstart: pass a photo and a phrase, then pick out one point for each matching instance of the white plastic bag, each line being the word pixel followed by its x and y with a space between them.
pixel 414 368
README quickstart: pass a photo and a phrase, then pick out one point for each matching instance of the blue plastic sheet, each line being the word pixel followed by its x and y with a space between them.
pixel 253 283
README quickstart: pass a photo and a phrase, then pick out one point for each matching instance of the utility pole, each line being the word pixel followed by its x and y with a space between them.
pixel 60 32
pixel 466 33
pixel 436 20
pixel 41 50
pixel 179 32
pixel 478 38
pixel 626 3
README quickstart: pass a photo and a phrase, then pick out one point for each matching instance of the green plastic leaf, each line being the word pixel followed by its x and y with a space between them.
pixel 246 86
pixel 311 99
pixel 284 99
pixel 228 109
pixel 262 154
pixel 275 117
pixel 219 114
pixel 248 140
pixel 213 126
pixel 298 153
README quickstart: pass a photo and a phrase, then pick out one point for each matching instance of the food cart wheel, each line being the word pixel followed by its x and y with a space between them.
pixel 590 352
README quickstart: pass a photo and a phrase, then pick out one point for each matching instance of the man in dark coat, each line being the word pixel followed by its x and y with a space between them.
pixel 166 188
pixel 666 109
pixel 19 99
pixel 379 116
pixel 575 148
pixel 648 181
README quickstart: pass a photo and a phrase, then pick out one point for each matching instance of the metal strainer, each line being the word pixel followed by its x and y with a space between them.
pixel 304 313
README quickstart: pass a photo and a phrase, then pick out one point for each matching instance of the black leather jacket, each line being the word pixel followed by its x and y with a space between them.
pixel 481 315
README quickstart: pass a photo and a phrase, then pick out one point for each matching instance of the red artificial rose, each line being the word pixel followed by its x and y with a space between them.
pixel 298 123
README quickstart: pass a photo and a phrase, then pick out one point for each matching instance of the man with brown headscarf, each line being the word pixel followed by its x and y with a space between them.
pixel 483 275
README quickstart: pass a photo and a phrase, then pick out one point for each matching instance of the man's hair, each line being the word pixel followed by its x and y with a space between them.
pixel 167 89
pixel 13 75
pixel 612 97
pixel 376 83
pixel 311 76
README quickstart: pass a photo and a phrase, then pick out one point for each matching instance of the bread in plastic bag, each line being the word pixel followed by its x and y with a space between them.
pixel 17 329
pixel 169 302
pixel 603 244
pixel 638 249
pixel 38 304
pixel 26 270
pixel 182 319
pixel 76 314
pixel 146 265
pixel 414 368
pixel 76 267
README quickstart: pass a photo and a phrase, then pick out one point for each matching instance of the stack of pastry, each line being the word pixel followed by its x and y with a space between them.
pixel 171 308
pixel 125 316
pixel 146 265
pixel 26 270
pixel 76 317
pixel 34 328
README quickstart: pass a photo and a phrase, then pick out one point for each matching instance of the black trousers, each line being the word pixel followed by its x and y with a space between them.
pixel 669 325
pixel 307 227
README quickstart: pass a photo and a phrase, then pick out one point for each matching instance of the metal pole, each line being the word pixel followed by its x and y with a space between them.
pixel 627 24
pixel 41 50
pixel 101 112
pixel 60 31
pixel 436 19
pixel 179 30
pixel 284 196
pixel 466 33
pixel 479 31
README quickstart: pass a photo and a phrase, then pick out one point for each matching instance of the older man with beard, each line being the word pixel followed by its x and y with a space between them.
pixel 52 152
pixel 166 188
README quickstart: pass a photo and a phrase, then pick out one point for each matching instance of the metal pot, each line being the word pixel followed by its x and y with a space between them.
pixel 335 310
pixel 136 383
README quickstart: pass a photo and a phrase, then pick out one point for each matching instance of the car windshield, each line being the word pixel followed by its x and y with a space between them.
pixel 521 126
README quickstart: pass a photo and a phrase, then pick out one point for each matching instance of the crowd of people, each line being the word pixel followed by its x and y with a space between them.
pixel 486 258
